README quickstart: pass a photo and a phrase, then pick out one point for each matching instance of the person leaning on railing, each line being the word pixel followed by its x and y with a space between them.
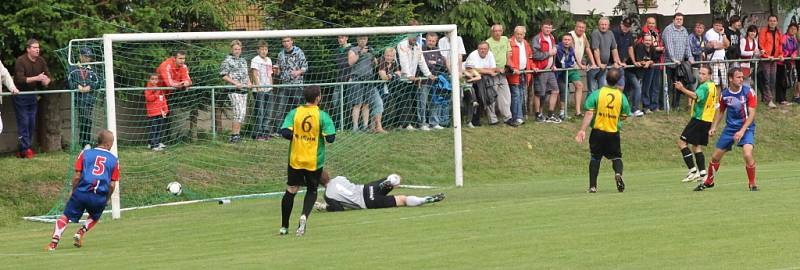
pixel 770 40
pixel 786 69
pixel 749 49
pixel 30 74
pixel 6 80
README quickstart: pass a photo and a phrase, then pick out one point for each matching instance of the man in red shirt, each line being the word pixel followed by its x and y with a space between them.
pixel 173 72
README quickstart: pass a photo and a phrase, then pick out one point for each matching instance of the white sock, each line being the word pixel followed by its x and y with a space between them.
pixel 414 201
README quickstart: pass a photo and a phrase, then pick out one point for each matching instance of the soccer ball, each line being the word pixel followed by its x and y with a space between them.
pixel 174 188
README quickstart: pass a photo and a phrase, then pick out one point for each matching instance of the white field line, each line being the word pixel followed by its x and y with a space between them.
pixel 53 218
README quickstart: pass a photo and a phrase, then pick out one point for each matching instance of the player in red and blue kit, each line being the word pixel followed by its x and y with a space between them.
pixel 96 176
pixel 738 103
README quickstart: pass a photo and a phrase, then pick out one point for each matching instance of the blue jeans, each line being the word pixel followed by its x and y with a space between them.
pixel 517 91
pixel 591 80
pixel 260 110
pixel 423 94
pixel 633 89
pixel 157 124
pixel 440 114
pixel 650 89
pixel 26 121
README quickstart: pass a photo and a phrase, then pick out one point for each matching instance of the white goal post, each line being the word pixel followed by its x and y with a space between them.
pixel 108 60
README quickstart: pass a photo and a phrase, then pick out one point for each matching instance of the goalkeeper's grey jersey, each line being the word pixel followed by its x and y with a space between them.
pixel 342 190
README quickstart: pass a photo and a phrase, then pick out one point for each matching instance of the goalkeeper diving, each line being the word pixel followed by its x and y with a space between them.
pixel 341 194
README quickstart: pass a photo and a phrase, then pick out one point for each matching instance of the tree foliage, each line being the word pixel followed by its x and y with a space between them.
pixel 305 14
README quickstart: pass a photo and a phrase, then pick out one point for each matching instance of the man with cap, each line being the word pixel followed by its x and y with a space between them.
pixel 84 79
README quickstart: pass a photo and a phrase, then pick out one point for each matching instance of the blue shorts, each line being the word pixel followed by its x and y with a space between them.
pixel 82 201
pixel 726 140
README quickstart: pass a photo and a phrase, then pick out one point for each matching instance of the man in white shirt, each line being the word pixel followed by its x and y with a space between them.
pixel 261 71
pixel 341 194
pixel 410 55
pixel 716 39
pixel 489 91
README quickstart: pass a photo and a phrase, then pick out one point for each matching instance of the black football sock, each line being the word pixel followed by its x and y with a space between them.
pixel 309 200
pixel 617 165
pixel 594 169
pixel 687 157
pixel 701 161
pixel 286 208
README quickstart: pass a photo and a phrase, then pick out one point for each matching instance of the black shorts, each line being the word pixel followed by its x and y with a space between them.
pixel 375 197
pixel 696 132
pixel 605 144
pixel 301 177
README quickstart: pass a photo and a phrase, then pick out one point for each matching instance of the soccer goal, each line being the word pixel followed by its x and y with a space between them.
pixel 198 129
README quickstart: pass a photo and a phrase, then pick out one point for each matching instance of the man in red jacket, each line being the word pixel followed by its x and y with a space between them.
pixel 544 52
pixel 157 111
pixel 173 72
pixel 771 43
pixel 519 60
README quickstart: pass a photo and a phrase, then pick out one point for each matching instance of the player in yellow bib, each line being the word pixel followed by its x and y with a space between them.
pixel 605 109
pixel 705 107
pixel 306 127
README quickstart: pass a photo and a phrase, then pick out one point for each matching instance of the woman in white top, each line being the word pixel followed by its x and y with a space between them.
pixel 749 48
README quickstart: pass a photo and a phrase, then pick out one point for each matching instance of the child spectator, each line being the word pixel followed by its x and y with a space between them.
pixel 157 111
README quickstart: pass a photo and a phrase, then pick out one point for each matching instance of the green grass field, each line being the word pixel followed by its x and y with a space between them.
pixel 520 208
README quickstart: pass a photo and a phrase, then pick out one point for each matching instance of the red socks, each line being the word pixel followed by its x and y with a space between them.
pixel 712 170
pixel 751 174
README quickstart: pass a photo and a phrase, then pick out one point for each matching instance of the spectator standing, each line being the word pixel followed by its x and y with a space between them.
pixel 8 81
pixel 173 71
pixel 631 86
pixel 30 74
pixel 677 50
pixel 652 84
pixel 583 59
pixel 157 111
pixel 718 42
pixel 583 49
pixel 389 71
pixel 749 50
pixel 786 69
pixel 437 64
pixel 645 55
pixel 565 58
pixel 411 60
pixel 544 51
pixel 501 50
pixel 362 67
pixel 292 66
pixel 261 70
pixel 770 40
pixel 85 80
pixel 343 68
pixel 604 49
pixel 234 71
pixel 697 43
pixel 519 60
pixel 734 34
pixel 487 89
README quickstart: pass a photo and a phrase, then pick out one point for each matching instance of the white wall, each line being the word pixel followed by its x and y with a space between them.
pixel 665 7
